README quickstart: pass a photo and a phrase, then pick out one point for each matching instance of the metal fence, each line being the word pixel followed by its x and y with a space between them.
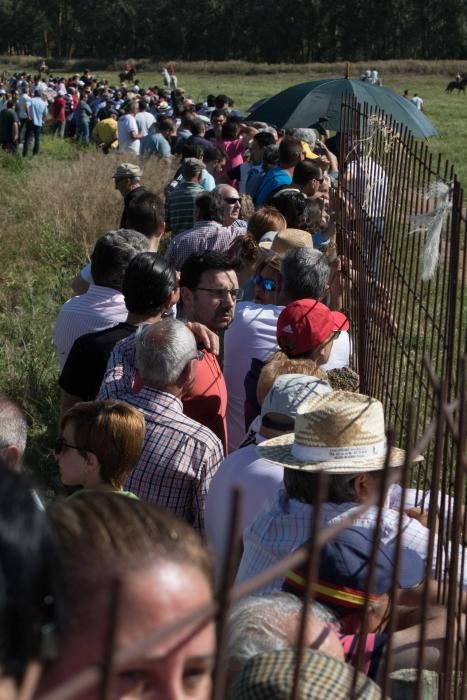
pixel 409 343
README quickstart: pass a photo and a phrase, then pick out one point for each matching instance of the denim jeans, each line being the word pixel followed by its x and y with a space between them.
pixel 32 132
pixel 83 132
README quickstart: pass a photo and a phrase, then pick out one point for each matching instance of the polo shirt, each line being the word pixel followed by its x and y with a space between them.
pixel 180 207
pixel 271 181
pixel 85 365
pixel 155 145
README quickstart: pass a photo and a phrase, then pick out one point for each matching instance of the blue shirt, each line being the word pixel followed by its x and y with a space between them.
pixel 271 181
pixel 155 144
pixel 38 111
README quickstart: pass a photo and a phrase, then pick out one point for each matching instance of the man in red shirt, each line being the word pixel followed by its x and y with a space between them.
pixel 208 293
pixel 58 115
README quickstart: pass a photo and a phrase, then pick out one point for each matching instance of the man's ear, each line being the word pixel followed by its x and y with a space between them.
pixel 11 457
pixel 363 487
pixel 186 297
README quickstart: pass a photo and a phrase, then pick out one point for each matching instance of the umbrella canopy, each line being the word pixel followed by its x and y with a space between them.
pixel 320 101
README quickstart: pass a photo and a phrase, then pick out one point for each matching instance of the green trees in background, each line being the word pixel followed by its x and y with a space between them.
pixel 252 30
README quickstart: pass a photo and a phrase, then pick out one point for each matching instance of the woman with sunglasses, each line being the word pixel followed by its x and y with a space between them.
pixel 99 445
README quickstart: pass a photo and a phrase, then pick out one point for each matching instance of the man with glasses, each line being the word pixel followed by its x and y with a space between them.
pixel 308 178
pixel 208 292
pixel 231 204
pixel 207 232
pixel 180 456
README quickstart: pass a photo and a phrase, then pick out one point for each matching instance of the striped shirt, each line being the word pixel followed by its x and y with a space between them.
pixel 179 457
pixel 283 525
pixel 180 207
pixel 99 308
pixel 204 235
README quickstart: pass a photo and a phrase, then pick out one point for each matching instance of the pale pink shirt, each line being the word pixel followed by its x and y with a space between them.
pixel 99 308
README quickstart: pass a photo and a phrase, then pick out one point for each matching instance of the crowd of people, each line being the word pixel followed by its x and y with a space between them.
pixel 206 348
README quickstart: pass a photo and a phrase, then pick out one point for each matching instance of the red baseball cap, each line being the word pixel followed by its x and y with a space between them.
pixel 306 324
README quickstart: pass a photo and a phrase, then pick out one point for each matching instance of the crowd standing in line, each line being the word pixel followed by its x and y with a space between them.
pixel 222 361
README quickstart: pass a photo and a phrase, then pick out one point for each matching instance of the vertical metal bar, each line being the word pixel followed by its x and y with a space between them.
pixel 231 560
pixel 392 625
pixel 374 553
pixel 105 685
pixel 311 576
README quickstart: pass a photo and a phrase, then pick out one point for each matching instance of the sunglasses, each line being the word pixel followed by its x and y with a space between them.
pixel 268 284
pixel 232 200
pixel 60 443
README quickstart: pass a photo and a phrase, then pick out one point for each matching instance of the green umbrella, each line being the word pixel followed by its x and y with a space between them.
pixel 319 101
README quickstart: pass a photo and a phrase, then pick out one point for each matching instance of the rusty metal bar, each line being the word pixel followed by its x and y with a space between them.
pixel 231 560
pixel 311 576
pixel 110 641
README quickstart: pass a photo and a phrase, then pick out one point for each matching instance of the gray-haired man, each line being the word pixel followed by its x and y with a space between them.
pixel 180 456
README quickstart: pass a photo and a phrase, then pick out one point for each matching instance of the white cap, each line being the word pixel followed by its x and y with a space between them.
pixel 289 391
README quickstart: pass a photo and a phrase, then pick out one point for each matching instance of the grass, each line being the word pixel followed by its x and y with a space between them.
pixel 54 206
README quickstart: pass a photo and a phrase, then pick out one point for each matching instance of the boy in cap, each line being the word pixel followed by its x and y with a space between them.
pixel 307 328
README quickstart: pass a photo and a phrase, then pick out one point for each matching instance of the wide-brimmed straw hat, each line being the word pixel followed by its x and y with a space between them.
pixel 340 433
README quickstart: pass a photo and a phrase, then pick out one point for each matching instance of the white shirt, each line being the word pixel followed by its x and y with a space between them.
pixel 144 120
pixel 99 308
pixel 367 187
pixel 253 335
pixel 125 126
pixel 417 101
pixel 23 102
pixel 256 477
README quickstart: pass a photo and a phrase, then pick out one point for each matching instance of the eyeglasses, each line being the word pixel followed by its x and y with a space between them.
pixel 221 294
pixel 319 179
pixel 60 443
pixel 232 200
pixel 268 284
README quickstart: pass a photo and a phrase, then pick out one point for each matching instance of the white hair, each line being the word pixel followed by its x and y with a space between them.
pixel 163 350
pixel 13 425
pixel 307 135
pixel 259 624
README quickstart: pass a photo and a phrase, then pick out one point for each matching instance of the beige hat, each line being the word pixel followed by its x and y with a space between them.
pixel 340 433
pixel 284 241
pixel 127 170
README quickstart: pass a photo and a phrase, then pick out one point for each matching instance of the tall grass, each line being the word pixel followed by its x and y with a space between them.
pixel 53 209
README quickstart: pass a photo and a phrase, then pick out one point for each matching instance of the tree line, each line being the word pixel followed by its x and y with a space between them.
pixel 253 30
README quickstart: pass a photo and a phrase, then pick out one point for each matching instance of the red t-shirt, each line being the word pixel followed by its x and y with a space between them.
pixel 207 401
pixel 58 109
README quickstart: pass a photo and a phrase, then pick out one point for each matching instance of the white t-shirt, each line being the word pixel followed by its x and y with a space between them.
pixel 125 126
pixel 253 335
pixel 257 478
pixel 144 120
pixel 417 101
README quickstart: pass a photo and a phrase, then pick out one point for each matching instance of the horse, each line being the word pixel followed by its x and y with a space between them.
pixel 456 85
pixel 127 75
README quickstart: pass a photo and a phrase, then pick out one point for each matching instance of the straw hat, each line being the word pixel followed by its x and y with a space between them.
pixel 340 433
pixel 284 241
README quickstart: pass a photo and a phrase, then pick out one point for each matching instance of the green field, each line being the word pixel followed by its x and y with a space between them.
pixel 447 112
pixel 54 206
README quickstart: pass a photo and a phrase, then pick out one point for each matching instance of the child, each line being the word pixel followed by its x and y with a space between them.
pixel 99 445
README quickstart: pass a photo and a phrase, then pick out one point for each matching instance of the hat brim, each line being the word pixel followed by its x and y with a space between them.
pixel 279 451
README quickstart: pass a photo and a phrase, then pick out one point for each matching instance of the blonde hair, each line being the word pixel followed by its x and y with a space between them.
pixel 113 431
pixel 279 364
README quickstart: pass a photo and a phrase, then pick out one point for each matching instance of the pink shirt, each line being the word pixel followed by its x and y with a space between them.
pixel 234 150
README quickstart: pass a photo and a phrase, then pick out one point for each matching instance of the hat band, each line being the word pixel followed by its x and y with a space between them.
pixel 324 454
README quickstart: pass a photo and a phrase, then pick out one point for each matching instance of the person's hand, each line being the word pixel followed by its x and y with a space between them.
pixel 422 516
pixel 335 286
pixel 204 336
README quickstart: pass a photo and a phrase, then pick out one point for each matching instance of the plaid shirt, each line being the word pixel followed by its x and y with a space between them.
pixel 179 457
pixel 120 373
pixel 204 235
pixel 283 525
pixel 271 675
